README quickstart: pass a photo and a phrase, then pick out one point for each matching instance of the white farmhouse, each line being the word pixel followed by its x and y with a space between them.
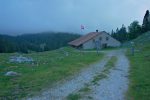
pixel 95 40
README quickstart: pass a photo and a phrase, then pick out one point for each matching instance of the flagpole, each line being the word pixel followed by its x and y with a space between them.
pixel 82 28
pixel 82 31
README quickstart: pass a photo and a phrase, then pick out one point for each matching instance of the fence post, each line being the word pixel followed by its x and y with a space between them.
pixel 132 48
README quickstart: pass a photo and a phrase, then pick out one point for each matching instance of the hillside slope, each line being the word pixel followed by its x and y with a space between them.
pixel 145 38
pixel 139 87
pixel 35 42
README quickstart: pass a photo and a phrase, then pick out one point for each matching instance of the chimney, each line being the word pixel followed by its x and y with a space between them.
pixel 96 30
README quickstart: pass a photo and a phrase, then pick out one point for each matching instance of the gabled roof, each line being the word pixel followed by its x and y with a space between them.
pixel 84 38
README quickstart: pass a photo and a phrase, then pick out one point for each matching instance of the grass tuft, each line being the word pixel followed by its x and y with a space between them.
pixel 110 64
pixel 73 97
pixel 85 89
pixel 98 77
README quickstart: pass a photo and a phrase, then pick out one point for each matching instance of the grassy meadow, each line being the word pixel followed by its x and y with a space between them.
pixel 139 87
pixel 50 67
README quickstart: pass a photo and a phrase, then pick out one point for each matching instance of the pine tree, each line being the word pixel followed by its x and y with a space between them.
pixel 112 33
pixel 134 30
pixel 146 22
pixel 123 33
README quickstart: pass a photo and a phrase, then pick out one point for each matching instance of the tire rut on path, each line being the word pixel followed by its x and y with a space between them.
pixel 113 87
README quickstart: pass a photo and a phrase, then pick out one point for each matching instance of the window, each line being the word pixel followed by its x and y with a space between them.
pixel 93 40
pixel 100 38
pixel 107 38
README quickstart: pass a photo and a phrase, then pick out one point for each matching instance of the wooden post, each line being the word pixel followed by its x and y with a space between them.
pixel 97 43
pixel 132 48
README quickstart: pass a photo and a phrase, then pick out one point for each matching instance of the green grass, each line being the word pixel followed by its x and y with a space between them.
pixel 110 64
pixel 51 66
pixel 111 48
pixel 74 97
pixel 98 77
pixel 139 88
pixel 144 39
pixel 85 89
pixel 80 94
pixel 106 49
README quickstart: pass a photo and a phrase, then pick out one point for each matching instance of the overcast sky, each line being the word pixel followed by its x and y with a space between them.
pixel 27 16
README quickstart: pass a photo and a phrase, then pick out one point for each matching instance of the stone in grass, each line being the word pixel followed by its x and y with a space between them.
pixel 20 59
pixel 66 53
pixel 12 73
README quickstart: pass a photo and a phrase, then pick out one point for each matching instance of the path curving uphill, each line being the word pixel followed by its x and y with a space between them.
pixel 115 86
pixel 111 88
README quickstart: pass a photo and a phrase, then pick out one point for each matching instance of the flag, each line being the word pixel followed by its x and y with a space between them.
pixel 82 27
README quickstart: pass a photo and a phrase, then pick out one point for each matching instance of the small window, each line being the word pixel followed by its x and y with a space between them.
pixel 100 38
pixel 93 40
pixel 107 38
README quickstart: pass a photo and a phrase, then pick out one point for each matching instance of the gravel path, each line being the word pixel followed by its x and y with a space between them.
pixel 111 88
pixel 115 86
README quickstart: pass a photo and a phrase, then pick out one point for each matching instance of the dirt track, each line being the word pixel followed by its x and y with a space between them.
pixel 111 88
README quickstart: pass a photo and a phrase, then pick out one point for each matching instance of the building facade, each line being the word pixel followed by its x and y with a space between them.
pixel 95 40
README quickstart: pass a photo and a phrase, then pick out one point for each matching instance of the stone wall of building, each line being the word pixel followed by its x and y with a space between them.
pixel 101 40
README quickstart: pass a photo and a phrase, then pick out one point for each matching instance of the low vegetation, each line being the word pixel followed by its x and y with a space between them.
pixel 139 87
pixel 74 97
pixel 110 64
pixel 50 67
pixel 85 89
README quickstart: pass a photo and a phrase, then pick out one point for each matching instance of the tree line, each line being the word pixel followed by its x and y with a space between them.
pixel 49 41
pixel 133 30
pixel 35 42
